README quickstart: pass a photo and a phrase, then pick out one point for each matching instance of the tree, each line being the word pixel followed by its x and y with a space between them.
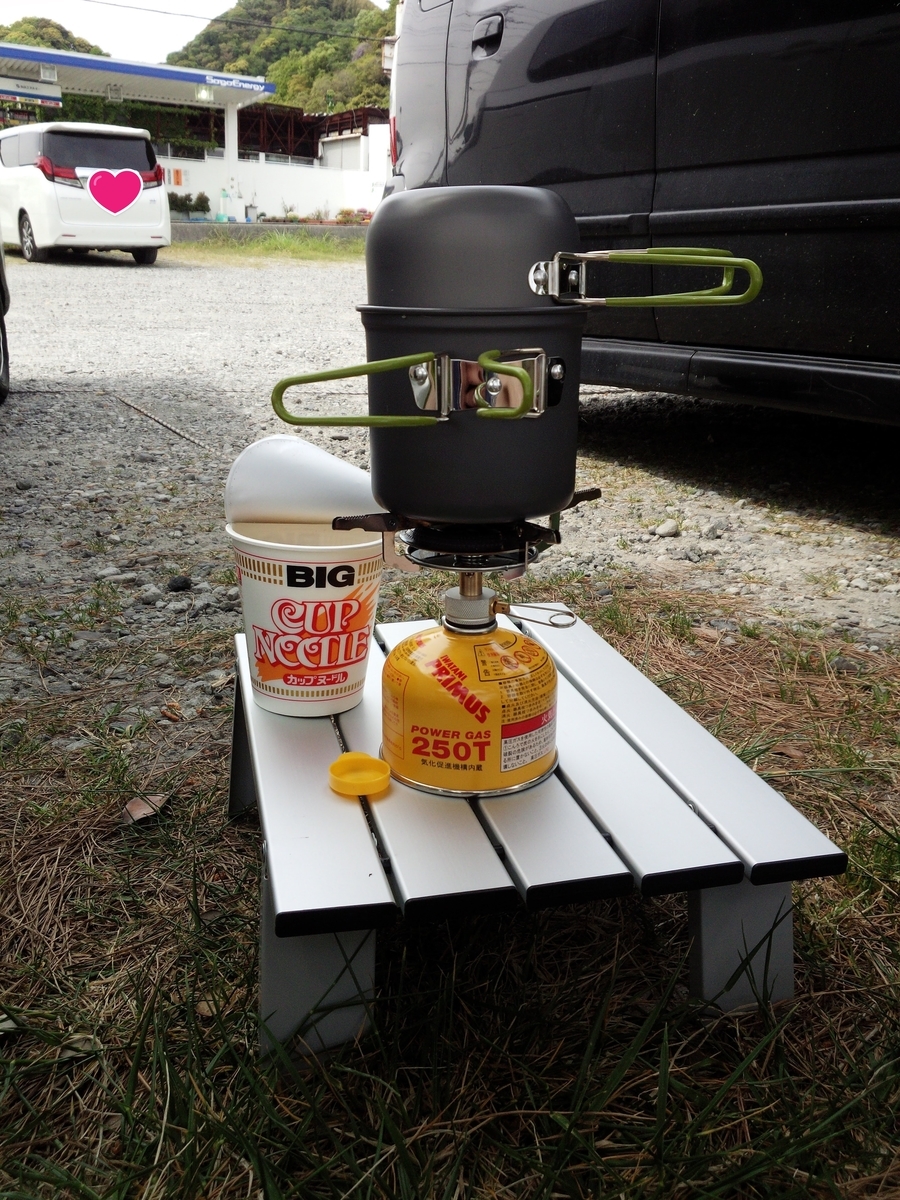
pixel 299 51
pixel 40 31
pixel 277 27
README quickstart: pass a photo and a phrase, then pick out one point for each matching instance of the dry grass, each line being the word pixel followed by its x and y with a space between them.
pixel 528 1056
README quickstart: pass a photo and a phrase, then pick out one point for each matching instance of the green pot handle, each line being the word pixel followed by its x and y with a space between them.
pixel 564 277
pixel 690 256
pixel 490 361
pixel 370 368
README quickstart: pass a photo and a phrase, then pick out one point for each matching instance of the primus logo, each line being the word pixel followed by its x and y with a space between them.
pixel 449 675
pixel 336 577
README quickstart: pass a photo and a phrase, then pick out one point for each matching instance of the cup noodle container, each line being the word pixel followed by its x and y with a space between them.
pixel 308 594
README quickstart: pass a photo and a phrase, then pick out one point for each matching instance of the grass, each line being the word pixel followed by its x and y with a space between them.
pixel 532 1056
pixel 279 246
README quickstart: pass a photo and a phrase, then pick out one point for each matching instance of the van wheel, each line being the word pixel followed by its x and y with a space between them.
pixel 4 362
pixel 146 256
pixel 30 251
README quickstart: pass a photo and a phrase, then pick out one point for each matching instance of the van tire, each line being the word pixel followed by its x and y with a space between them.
pixel 30 251
pixel 4 362
pixel 145 256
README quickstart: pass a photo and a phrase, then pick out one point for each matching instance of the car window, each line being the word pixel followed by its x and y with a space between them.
pixel 97 150
pixel 29 147
pixel 9 154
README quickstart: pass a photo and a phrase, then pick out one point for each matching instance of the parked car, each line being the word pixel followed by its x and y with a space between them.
pixel 772 130
pixel 82 187
pixel 4 345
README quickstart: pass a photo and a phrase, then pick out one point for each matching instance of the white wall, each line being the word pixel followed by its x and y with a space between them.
pixel 275 187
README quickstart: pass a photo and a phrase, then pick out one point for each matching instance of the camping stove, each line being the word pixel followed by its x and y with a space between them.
pixel 473 454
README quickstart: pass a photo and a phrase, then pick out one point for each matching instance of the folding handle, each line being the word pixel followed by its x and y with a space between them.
pixel 564 277
pixel 489 361
pixel 370 368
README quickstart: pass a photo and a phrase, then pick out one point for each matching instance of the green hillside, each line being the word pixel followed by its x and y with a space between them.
pixel 39 31
pixel 301 50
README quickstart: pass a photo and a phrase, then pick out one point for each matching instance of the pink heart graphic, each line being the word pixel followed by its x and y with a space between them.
pixel 115 192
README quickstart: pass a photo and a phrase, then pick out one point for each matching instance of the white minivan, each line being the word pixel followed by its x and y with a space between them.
pixel 81 186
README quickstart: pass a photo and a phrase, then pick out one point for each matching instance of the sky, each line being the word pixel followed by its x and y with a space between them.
pixel 140 36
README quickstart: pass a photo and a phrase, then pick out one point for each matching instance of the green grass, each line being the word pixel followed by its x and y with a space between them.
pixel 221 247
pixel 532 1056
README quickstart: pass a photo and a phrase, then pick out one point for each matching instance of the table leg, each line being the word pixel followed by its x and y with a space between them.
pixel 729 924
pixel 318 984
pixel 242 785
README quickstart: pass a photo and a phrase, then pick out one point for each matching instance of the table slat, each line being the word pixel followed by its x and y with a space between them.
pixel 667 846
pixel 442 862
pixel 322 864
pixel 552 850
pixel 774 841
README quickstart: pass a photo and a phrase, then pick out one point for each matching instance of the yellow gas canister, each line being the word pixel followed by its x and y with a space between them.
pixel 469 709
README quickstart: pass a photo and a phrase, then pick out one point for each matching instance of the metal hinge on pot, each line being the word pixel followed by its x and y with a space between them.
pixel 446 385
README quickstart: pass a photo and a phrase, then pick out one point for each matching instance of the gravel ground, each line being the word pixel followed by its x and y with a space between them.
pixel 796 516
pixel 102 508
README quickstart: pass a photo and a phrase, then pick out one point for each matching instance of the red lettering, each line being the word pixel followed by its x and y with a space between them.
pixel 449 676
pixel 314 616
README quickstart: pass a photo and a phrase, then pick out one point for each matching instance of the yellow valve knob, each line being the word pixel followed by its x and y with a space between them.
pixel 358 774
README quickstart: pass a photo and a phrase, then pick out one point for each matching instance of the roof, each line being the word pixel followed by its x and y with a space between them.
pixel 92 75
pixel 78 127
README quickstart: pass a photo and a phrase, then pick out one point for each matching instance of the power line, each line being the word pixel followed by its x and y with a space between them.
pixel 164 12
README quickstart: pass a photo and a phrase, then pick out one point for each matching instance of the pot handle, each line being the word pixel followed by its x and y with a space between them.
pixel 564 277
pixel 490 361
pixel 370 368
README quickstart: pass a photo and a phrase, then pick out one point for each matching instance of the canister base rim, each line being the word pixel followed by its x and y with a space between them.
pixel 452 793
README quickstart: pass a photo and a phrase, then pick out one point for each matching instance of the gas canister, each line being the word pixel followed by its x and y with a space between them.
pixel 468 709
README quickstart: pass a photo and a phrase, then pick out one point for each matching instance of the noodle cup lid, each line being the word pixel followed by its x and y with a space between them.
pixel 358 774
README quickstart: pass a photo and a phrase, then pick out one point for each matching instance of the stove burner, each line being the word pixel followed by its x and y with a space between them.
pixel 451 561
pixel 460 547
pixel 476 547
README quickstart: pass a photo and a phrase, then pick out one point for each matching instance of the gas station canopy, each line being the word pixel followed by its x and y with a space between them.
pixel 35 75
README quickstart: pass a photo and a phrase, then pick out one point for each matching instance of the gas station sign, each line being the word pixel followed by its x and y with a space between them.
pixel 30 91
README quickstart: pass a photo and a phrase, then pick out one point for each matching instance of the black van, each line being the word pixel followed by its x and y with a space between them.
pixel 769 128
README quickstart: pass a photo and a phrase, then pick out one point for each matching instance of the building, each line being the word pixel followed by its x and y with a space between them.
pixel 289 162
pixel 258 156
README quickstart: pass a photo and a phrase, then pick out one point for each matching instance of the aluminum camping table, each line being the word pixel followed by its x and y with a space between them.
pixel 643 798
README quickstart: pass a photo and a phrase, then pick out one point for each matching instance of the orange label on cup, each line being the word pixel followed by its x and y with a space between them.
pixel 310 643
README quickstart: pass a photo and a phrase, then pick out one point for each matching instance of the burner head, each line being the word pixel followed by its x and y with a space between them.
pixel 475 547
